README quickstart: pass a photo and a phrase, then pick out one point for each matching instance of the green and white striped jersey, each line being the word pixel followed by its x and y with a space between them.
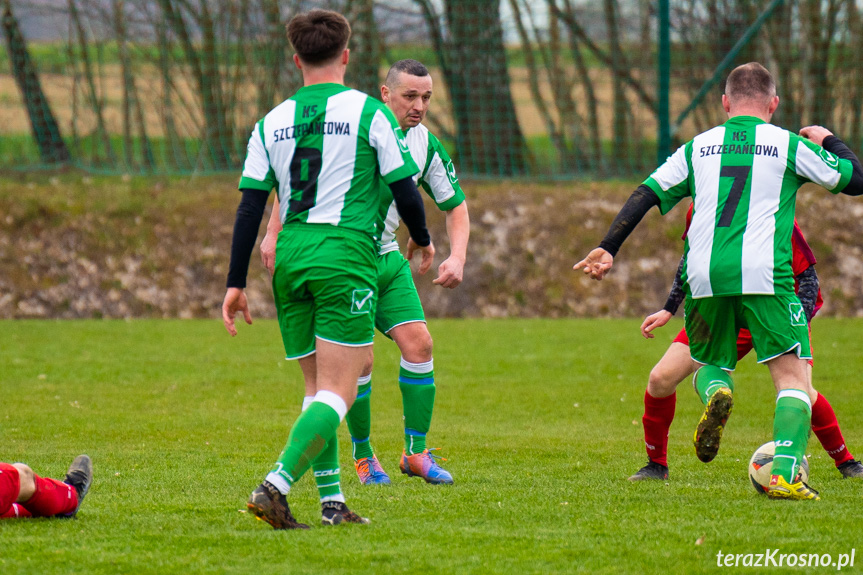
pixel 437 178
pixel 328 150
pixel 743 177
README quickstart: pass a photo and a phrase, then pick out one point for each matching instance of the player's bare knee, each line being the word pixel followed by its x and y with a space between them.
pixel 26 481
pixel 418 347
pixel 421 350
pixel 661 382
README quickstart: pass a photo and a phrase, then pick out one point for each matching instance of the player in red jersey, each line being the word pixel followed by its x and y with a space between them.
pixel 25 494
pixel 660 397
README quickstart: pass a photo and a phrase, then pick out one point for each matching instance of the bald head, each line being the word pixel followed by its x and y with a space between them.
pixel 750 82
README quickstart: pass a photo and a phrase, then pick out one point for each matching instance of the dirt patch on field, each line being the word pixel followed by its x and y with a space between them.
pixel 73 246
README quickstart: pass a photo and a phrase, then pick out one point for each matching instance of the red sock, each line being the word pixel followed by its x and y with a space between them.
pixel 52 497
pixel 826 429
pixel 10 486
pixel 658 415
pixel 17 511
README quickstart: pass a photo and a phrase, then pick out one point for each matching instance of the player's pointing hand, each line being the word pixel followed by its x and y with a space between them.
pixel 235 300
pixel 596 264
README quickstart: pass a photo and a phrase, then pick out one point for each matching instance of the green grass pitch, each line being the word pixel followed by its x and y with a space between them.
pixel 540 420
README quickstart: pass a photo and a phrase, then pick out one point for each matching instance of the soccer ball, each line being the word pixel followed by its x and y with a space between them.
pixel 761 467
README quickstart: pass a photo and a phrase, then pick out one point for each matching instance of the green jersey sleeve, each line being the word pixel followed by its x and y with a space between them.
pixel 812 163
pixel 258 174
pixel 438 177
pixel 386 137
pixel 671 180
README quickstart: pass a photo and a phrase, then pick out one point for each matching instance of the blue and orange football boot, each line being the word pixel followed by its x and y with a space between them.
pixel 424 465
pixel 370 471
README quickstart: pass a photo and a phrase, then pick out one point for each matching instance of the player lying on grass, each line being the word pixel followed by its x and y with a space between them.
pixel 743 177
pixel 327 149
pixel 25 494
pixel 676 365
pixel 399 315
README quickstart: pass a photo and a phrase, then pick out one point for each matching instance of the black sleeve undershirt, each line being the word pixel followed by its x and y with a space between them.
pixel 409 203
pixel 638 204
pixel 807 290
pixel 836 146
pixel 676 295
pixel 249 215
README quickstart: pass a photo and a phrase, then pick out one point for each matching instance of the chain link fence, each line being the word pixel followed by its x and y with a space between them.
pixel 550 89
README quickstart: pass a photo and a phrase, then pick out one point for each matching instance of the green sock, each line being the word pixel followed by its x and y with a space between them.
pixel 359 419
pixel 791 422
pixel 311 432
pixel 327 472
pixel 708 379
pixel 416 381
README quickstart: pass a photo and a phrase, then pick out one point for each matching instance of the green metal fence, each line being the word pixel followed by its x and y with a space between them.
pixel 533 88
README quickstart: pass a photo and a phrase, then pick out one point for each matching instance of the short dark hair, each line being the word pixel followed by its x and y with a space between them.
pixel 411 67
pixel 318 36
pixel 750 81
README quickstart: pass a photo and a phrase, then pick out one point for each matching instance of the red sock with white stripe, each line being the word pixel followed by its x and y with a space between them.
pixel 17 511
pixel 10 487
pixel 826 429
pixel 658 415
pixel 52 497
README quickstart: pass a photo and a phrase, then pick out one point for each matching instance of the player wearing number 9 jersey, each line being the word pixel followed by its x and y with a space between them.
pixel 743 177
pixel 327 150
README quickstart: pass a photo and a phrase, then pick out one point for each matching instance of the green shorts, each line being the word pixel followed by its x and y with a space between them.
pixel 398 301
pixel 325 286
pixel 777 323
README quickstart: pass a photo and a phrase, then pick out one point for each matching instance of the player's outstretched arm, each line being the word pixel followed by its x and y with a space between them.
pixel 596 264
pixel 268 244
pixel 451 272
pixel 600 260
pixel 249 215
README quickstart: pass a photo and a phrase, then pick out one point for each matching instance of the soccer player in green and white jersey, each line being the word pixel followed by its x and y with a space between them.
pixel 743 177
pixel 328 150
pixel 407 92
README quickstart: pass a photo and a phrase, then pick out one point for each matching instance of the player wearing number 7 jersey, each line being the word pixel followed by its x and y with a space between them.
pixel 676 365
pixel 327 150
pixel 743 177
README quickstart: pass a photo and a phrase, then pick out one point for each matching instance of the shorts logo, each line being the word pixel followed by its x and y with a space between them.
pixel 360 301
pixel 829 158
pixel 798 316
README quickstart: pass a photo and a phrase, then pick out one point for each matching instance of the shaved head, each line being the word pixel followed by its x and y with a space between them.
pixel 410 67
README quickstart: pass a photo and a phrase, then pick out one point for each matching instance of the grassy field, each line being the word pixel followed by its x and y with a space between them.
pixel 540 420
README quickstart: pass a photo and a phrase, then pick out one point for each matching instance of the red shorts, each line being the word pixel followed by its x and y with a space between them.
pixel 744 342
pixel 10 486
